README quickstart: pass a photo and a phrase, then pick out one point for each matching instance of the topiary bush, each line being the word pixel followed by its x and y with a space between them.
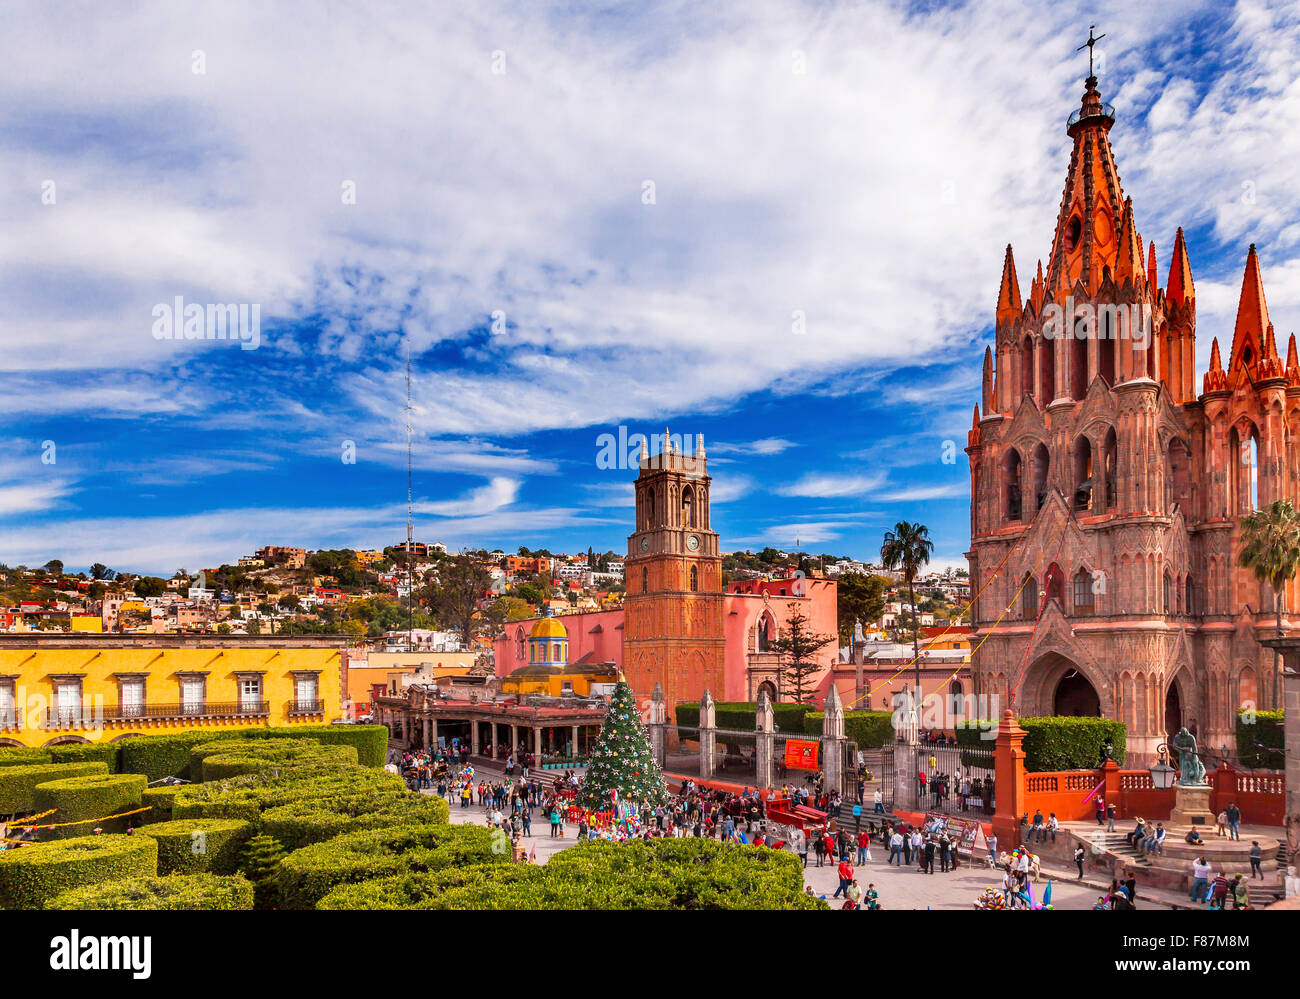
pixel 179 891
pixel 658 874
pixel 159 800
pixel 261 864
pixel 18 784
pixel 268 755
pixel 96 796
pixel 107 753
pixel 159 756
pixel 247 797
pixel 1259 739
pixel 22 756
pixel 370 741
pixel 193 846
pixel 308 874
pixel 1053 743
pixel 306 822
pixel 32 875
pixel 742 715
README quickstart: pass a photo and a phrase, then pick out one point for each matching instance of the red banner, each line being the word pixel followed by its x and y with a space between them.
pixel 801 754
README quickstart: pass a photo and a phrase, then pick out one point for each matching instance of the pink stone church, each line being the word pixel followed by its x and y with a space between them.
pixel 1104 480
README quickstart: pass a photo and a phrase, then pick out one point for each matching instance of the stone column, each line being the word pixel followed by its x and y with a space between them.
pixel 1008 781
pixel 537 744
pixel 657 724
pixel 494 740
pixel 473 737
pixel 574 750
pixel 433 732
pixel 514 739
pixel 427 723
pixel 833 741
pixel 708 735
pixel 764 741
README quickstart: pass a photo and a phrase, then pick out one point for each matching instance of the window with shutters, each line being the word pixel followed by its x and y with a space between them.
pixel 132 697
pixel 193 695
pixel 250 695
pixel 8 708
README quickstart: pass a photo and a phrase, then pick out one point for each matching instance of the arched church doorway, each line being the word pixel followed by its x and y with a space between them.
pixel 1076 697
pixel 1173 710
pixel 769 688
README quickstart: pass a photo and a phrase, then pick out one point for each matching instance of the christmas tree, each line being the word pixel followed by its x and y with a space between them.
pixel 622 760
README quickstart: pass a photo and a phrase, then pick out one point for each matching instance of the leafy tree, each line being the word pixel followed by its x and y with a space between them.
pixel 54 566
pixel 861 598
pixel 254 627
pixel 100 571
pixel 797 646
pixel 1271 550
pixel 150 586
pixel 513 608
pixel 459 595
pixel 535 592
pixel 906 549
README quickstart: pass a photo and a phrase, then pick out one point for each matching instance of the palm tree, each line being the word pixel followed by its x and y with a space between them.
pixel 907 548
pixel 1271 549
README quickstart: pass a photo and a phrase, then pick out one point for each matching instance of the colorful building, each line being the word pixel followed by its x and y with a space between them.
pixel 58 688
pixel 1106 491
pixel 549 671
pixel 678 627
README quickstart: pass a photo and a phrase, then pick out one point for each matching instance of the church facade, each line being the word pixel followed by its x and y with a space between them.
pixel 1106 483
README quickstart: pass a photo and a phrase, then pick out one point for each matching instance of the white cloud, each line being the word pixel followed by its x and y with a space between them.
pixel 830 486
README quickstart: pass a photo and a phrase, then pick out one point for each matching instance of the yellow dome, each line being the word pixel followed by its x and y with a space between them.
pixel 548 627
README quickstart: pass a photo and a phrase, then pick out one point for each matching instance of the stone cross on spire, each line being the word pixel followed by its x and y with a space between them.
pixel 1088 45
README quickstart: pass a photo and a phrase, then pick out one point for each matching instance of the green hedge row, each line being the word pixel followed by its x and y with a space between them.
pixel 18 784
pixel 194 846
pixel 658 874
pixel 742 715
pixel 159 800
pixel 96 796
pixel 179 891
pixel 869 729
pixel 1056 743
pixel 247 797
pixel 22 756
pixel 317 820
pixel 31 876
pixel 308 874
pixel 83 752
pixel 1259 739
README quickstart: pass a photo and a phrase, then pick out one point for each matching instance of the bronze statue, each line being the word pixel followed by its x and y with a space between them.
pixel 1191 771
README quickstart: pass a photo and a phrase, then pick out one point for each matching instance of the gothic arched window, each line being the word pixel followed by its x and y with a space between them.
pixel 645 580
pixel 519 643
pixel 1029 598
pixel 688 509
pixel 695 578
pixel 1083 600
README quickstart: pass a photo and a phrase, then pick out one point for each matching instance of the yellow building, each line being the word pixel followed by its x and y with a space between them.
pixel 87 622
pixel 368 670
pixel 87 688
pixel 549 672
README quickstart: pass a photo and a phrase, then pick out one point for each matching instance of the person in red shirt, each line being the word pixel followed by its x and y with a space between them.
pixel 864 845
pixel 845 871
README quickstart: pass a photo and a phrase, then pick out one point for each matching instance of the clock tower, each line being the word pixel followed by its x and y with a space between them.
pixel 673 617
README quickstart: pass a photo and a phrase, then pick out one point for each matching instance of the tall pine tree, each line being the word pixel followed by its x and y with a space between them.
pixel 622 759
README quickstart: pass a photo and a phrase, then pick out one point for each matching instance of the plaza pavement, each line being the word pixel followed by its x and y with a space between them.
pixel 899 887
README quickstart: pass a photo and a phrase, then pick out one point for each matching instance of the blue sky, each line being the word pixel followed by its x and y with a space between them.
pixel 860 165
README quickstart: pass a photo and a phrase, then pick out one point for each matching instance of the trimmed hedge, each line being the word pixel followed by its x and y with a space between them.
pixel 179 891
pixel 315 821
pixel 23 756
pixel 1056 743
pixel 104 752
pixel 308 874
pixel 18 784
pixel 32 875
pixel 1259 743
pixel 94 797
pixel 231 758
pixel 160 756
pixel 160 800
pixel 247 797
pixel 217 850
pixel 740 715
pixel 869 729
pixel 658 874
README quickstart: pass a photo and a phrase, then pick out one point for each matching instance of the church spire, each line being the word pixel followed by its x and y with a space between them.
pixel 1009 304
pixel 987 382
pixel 1248 336
pixel 1216 380
pixel 1128 266
pixel 1179 287
pixel 1153 275
pixel 1292 365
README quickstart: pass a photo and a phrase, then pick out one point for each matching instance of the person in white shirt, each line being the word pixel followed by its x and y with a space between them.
pixel 1052 826
pixel 1201 880
pixel 896 848
pixel 879 802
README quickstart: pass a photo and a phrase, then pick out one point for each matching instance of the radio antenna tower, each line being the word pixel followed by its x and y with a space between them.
pixel 410 529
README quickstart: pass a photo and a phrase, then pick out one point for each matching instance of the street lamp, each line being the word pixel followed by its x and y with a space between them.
pixel 1162 774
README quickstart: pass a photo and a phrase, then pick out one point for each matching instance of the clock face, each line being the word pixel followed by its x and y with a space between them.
pixel 692 542
pixel 645 543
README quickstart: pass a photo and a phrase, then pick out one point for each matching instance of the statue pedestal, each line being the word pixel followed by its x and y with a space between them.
pixel 1192 806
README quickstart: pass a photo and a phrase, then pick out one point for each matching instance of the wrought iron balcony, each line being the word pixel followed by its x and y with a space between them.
pixel 93 716
pixel 299 707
